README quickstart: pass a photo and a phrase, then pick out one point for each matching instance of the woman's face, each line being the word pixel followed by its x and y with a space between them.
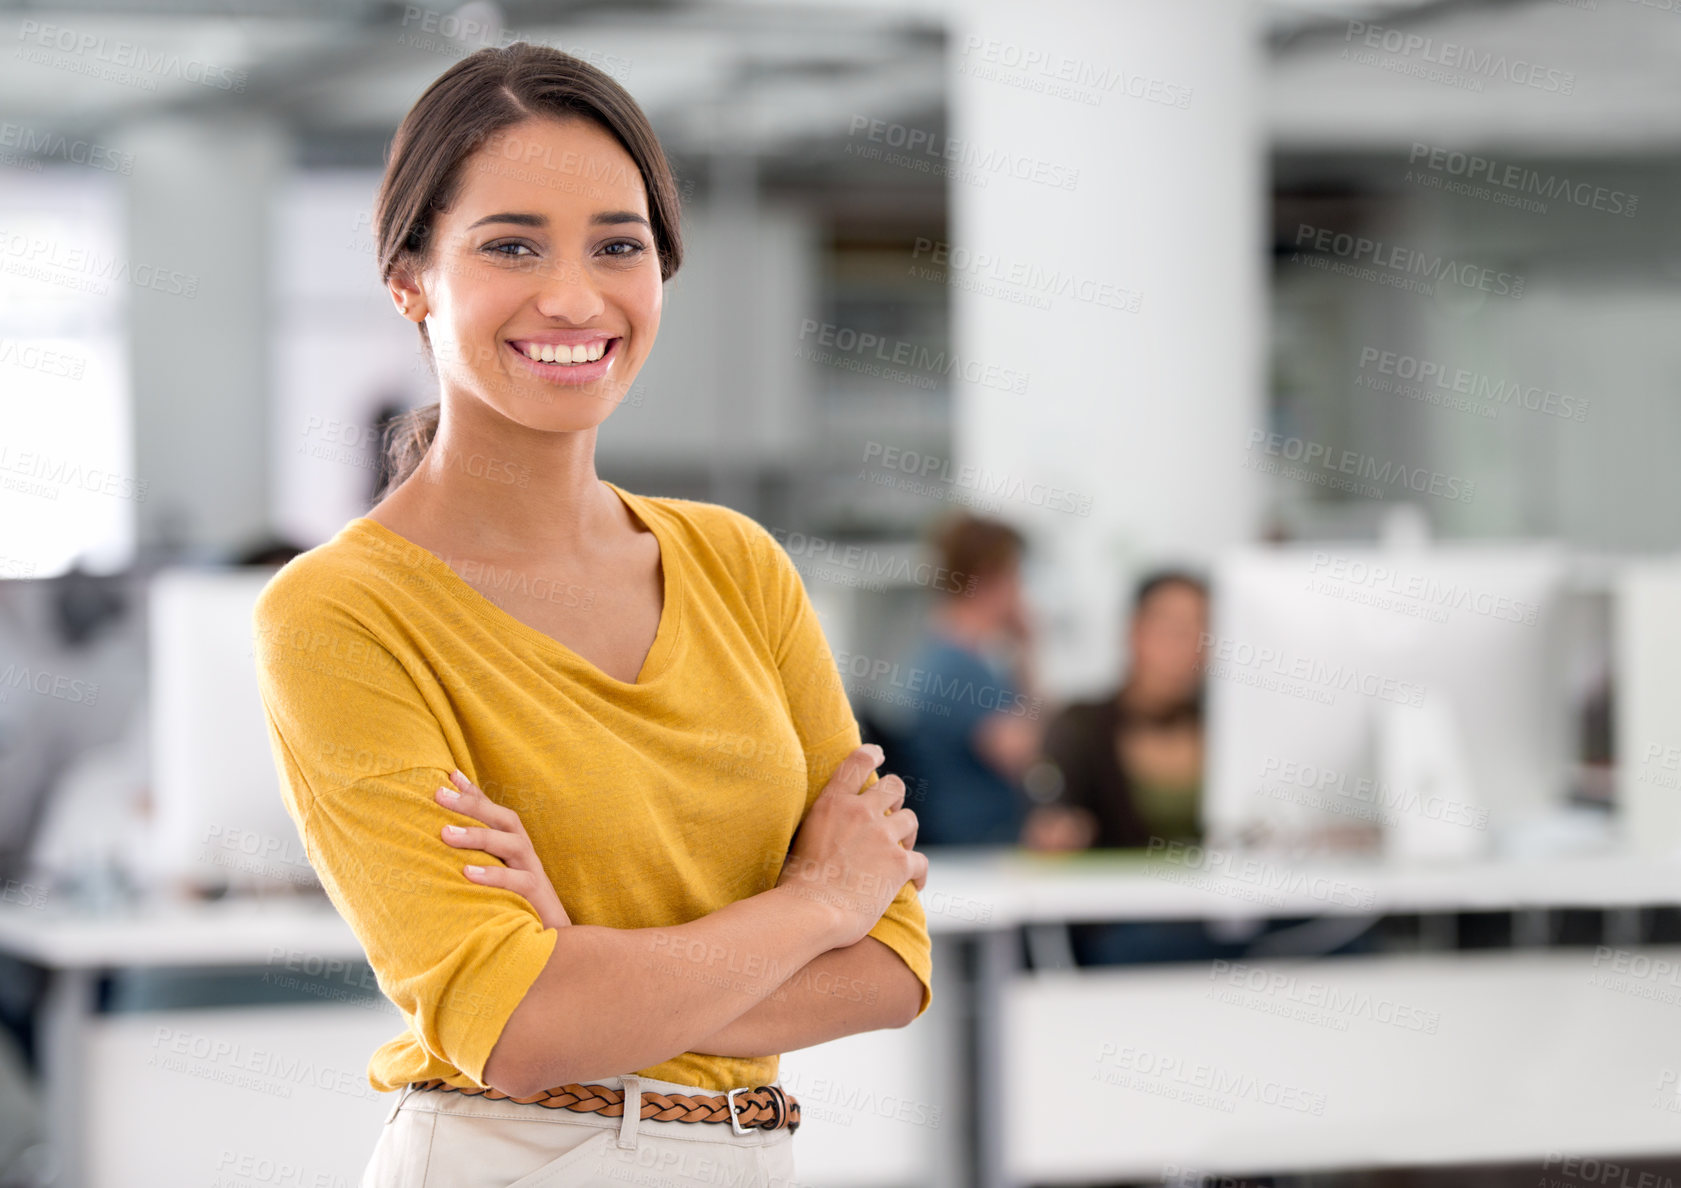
pixel 1167 638
pixel 547 245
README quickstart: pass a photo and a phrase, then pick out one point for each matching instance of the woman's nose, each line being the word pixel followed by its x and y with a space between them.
pixel 568 292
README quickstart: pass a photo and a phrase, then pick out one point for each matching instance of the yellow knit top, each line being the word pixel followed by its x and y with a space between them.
pixel 650 803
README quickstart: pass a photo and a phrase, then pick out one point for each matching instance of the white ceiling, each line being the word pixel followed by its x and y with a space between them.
pixel 768 74
pixel 768 77
pixel 1623 58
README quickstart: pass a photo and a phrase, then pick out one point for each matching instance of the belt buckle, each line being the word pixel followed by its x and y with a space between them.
pixel 729 1104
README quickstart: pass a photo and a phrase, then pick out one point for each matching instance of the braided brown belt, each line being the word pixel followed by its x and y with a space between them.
pixel 768 1107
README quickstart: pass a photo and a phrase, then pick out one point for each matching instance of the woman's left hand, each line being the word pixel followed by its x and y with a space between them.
pixel 504 836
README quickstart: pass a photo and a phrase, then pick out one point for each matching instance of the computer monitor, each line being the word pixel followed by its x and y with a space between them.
pixel 219 819
pixel 1647 710
pixel 1418 691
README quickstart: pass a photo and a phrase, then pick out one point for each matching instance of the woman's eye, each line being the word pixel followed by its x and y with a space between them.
pixel 635 248
pixel 496 248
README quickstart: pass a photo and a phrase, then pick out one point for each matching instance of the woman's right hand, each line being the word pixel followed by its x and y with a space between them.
pixel 853 850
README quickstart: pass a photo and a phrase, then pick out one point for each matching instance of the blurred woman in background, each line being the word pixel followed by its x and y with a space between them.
pixel 1128 768
pixel 1131 763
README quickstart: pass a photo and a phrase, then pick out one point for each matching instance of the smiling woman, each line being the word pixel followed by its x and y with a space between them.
pixel 518 801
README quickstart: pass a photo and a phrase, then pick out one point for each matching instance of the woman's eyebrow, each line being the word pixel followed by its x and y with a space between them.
pixel 599 218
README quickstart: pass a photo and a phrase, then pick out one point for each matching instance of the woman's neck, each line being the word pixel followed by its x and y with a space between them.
pixel 1141 702
pixel 510 489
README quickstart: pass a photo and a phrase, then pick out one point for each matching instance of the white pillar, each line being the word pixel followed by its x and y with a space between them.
pixel 199 205
pixel 1144 411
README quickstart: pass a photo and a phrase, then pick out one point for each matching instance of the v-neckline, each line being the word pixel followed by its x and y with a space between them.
pixel 654 665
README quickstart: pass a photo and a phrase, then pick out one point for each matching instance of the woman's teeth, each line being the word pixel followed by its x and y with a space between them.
pixel 561 353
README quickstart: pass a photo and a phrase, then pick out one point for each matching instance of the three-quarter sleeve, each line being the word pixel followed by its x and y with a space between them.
pixel 829 732
pixel 360 754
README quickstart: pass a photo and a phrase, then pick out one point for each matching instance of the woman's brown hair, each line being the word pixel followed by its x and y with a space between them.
pixel 466 105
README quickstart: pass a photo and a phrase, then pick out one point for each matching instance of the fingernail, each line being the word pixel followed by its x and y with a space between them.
pixel 448 793
pixel 460 779
pixel 453 831
pixel 880 754
pixel 474 870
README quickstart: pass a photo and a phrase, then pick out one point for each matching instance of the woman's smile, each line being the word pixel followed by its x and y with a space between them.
pixel 586 361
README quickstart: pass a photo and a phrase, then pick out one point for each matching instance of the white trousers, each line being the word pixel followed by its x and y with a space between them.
pixel 440 1139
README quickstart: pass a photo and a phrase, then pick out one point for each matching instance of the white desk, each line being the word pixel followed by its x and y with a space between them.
pixel 75 950
pixel 218 934
pixel 1510 1013
pixel 1025 888
pixel 980 899
pixel 1490 1056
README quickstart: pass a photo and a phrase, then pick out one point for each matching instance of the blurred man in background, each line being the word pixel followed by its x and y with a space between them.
pixel 974 725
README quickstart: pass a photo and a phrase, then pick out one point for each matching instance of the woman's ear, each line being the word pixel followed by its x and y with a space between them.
pixel 407 296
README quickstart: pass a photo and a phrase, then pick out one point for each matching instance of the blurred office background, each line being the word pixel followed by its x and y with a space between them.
pixel 1361 316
